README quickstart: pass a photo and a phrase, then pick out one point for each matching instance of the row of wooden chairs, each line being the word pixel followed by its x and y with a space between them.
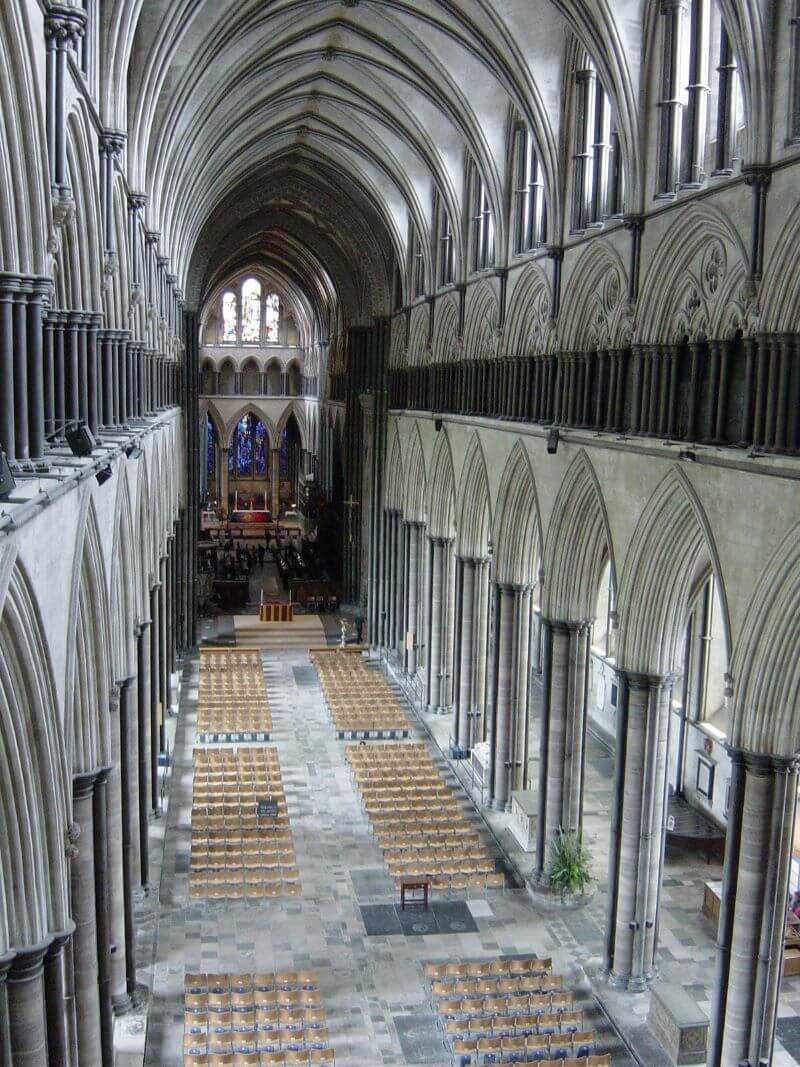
pixel 473 1052
pixel 248 1039
pixel 258 981
pixel 300 1058
pixel 214 658
pixel 277 1009
pixel 278 866
pixel 256 876
pixel 514 1025
pixel 555 1000
pixel 237 891
pixel 490 985
pixel 235 757
pixel 216 836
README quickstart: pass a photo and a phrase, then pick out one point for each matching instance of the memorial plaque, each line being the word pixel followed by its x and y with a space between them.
pixel 267 808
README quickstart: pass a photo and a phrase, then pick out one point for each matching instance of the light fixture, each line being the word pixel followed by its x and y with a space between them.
pixel 688 454
pixel 104 474
pixel 80 439
pixel 7 482
pixel 552 441
pixel 132 451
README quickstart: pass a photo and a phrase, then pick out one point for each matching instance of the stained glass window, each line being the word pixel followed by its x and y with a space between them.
pixel 261 449
pixel 209 445
pixel 229 323
pixel 251 312
pixel 247 457
pixel 272 314
pixel 285 453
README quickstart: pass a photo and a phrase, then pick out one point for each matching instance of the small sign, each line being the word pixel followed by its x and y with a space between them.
pixel 267 808
pixel 670 823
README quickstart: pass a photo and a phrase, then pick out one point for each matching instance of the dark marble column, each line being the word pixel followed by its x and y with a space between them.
pixel 84 913
pixel 59 1003
pixel 26 1006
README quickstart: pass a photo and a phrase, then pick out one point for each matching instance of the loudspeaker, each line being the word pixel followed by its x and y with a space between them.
pixel 552 441
pixel 80 439
pixel 104 474
pixel 7 483
pixel 438 424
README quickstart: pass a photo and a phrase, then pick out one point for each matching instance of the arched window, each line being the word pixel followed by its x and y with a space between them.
pixel 247 456
pixel 444 232
pixel 211 442
pixel 529 193
pixel 251 312
pixel 482 222
pixel 230 323
pixel 416 263
pixel 701 105
pixel 597 192
pixel 272 318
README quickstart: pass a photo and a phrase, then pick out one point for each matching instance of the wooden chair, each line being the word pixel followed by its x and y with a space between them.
pixel 322 1057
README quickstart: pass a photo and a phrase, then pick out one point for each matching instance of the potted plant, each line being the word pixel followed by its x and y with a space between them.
pixel 569 865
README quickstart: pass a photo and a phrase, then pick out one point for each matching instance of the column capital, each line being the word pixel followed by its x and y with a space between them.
pixel 28 962
pixel 114 698
pixel 137 201
pixel 763 764
pixel 152 237
pixel 441 541
pixel 64 24
pixel 141 626
pixel 477 561
pixel 513 587
pixel 112 142
pixel 566 625
pixel 83 784
pixel 639 680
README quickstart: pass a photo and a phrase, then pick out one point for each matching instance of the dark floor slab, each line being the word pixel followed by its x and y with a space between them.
pixel 380 920
pixel 421 1039
pixel 454 917
pixel 417 922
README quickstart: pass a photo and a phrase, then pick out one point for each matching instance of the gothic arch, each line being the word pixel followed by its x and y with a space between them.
pixel 88 684
pixel 671 545
pixel 517 535
pixel 779 291
pixel 85 228
pixel 766 663
pixel 481 322
pixel 295 408
pixel 694 283
pixel 528 331
pixel 445 331
pixel 474 522
pixel 442 490
pixel 595 312
pixel 416 492
pixel 123 584
pixel 394 471
pixel 418 335
pixel 34 792
pixel 577 545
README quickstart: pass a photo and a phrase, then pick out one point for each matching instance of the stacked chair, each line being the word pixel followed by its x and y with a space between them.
pixel 241 839
pixel 418 819
pixel 510 1011
pixel 361 702
pixel 232 700
pixel 255 1020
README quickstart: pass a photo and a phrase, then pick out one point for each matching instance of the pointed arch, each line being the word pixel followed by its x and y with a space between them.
pixel 416 492
pixel 295 408
pixel 475 512
pixel 518 538
pixel 480 322
pixel 596 296
pixel 34 792
pixel 527 330
pixel 418 335
pixel 88 683
pixel 123 584
pixel 577 546
pixel 442 490
pixel 394 480
pixel 144 540
pixel 766 663
pixel 671 546
pixel 445 331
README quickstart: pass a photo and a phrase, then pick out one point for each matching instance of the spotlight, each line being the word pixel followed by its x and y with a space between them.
pixel 104 474
pixel 7 482
pixel 80 439
pixel 133 451
pixel 687 453
pixel 552 441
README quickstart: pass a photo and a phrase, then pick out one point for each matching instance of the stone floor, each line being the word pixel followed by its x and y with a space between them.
pixel 344 926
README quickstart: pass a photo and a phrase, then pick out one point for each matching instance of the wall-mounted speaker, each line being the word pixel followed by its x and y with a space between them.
pixel 80 439
pixel 104 474
pixel 438 424
pixel 7 483
pixel 552 441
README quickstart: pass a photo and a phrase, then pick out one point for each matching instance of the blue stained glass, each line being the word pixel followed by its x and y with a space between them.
pixel 261 449
pixel 244 456
pixel 209 445
pixel 285 453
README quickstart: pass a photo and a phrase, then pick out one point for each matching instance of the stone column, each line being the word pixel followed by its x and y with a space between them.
pixel 468 595
pixel 143 746
pixel 102 899
pixel 155 693
pixel 275 483
pixel 509 716
pixel 84 913
pixel 761 811
pixel 439 603
pixel 129 789
pixel 59 1004
pixel 413 538
pixel 565 675
pixel 26 1006
pixel 638 828
pixel 116 860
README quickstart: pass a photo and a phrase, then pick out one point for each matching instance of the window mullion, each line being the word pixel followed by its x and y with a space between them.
pixel 723 162
pixel 582 158
pixel 673 13
pixel 698 90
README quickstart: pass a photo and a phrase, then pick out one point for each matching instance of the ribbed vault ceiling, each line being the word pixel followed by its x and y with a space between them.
pixel 333 123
